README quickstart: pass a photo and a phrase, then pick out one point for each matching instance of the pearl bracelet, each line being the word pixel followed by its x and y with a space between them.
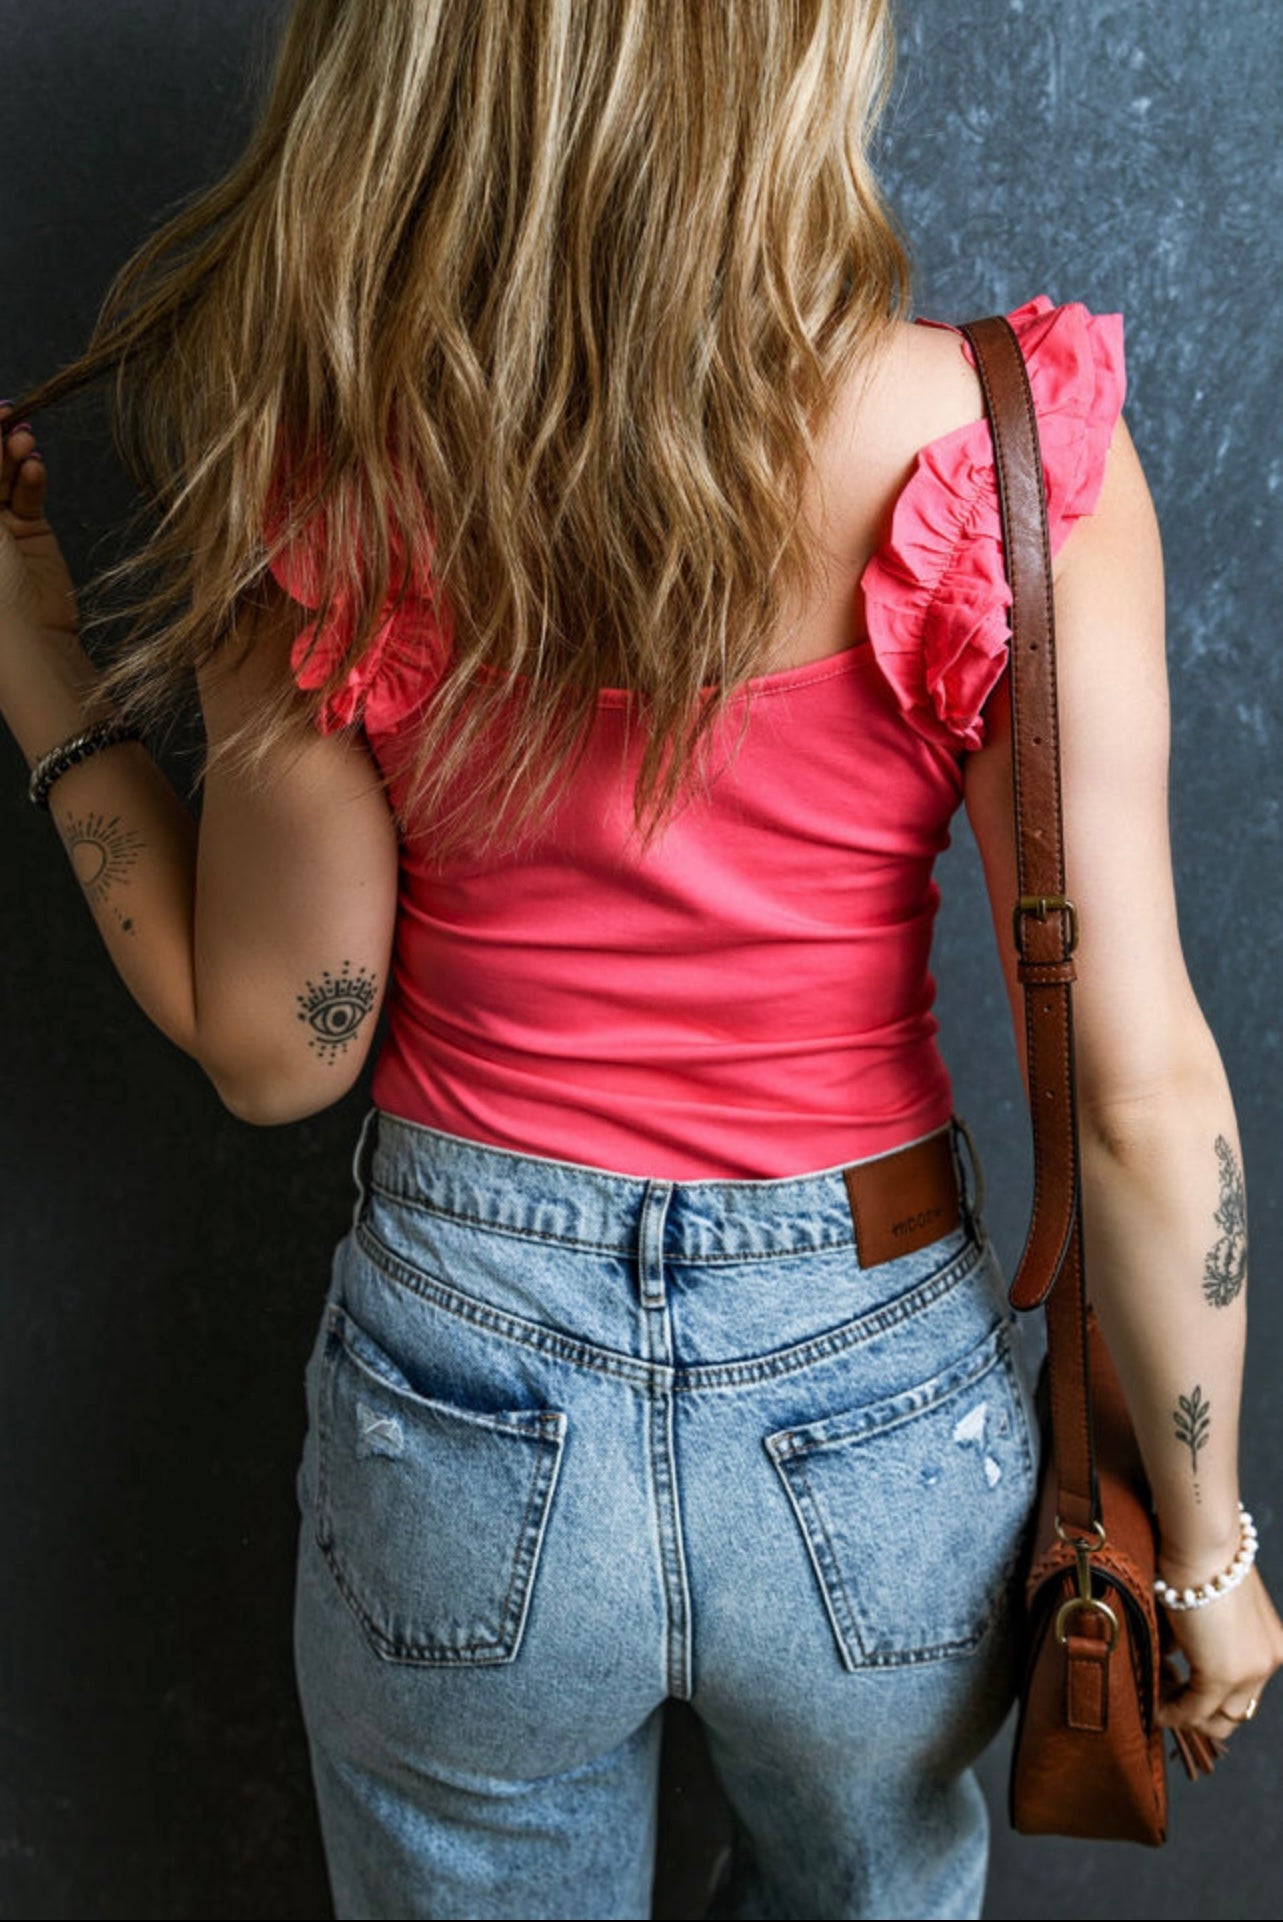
pixel 1211 1591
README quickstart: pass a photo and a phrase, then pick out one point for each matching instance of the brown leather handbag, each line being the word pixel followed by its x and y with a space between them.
pixel 1088 1757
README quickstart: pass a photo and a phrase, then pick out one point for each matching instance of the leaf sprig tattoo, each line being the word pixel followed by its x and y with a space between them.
pixel 1225 1269
pixel 1193 1419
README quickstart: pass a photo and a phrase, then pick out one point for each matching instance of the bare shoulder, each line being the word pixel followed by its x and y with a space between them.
pixel 918 388
pixel 1124 516
pixel 937 372
pixel 921 387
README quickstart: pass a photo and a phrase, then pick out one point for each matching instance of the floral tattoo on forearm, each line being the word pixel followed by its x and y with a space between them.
pixel 1225 1269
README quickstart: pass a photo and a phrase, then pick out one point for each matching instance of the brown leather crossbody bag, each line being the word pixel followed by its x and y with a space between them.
pixel 1088 1757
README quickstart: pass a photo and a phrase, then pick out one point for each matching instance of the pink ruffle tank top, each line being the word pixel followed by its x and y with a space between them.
pixel 753 999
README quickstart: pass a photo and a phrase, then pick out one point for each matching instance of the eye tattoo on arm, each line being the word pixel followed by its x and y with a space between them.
pixel 102 853
pixel 335 1008
pixel 1193 1417
pixel 1225 1269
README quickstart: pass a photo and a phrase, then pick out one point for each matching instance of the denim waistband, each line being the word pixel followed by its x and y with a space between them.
pixel 703 1219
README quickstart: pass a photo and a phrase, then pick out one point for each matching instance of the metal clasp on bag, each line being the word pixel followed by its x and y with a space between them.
pixel 1041 905
pixel 1082 1548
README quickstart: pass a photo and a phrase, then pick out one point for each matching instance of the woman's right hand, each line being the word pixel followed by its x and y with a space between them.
pixel 1233 1647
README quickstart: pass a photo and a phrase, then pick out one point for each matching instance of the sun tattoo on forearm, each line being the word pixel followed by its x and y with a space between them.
pixel 335 1008
pixel 1225 1269
pixel 102 853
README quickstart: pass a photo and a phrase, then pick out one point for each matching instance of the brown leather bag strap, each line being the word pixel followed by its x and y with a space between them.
pixel 1044 920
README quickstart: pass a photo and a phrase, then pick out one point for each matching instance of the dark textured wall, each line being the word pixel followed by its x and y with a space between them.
pixel 162 1263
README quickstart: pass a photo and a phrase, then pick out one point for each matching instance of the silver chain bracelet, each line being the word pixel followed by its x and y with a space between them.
pixel 78 748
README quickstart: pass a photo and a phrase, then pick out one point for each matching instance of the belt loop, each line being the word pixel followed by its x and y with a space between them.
pixel 973 1189
pixel 362 1158
pixel 650 1242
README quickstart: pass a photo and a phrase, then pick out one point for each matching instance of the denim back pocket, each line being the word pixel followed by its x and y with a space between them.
pixel 914 1508
pixel 431 1516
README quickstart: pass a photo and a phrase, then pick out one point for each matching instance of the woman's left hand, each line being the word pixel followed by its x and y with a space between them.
pixel 36 589
pixel 1233 1648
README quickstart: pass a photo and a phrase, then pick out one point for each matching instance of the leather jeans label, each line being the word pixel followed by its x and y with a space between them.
pixel 902 1201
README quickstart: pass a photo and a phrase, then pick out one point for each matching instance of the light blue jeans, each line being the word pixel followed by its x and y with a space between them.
pixel 577 1441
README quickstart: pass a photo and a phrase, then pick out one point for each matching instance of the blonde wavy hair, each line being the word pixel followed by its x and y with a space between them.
pixel 576 283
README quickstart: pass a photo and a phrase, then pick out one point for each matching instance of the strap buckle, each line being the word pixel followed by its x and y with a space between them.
pixel 1040 905
pixel 1083 1547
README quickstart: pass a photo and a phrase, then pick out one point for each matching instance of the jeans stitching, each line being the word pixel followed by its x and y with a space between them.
pixel 843 1242
pixel 645 1375
pixel 945 1384
pixel 529 1425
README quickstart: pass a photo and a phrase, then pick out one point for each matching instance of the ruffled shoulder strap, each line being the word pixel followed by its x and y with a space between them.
pixel 403 663
pixel 936 597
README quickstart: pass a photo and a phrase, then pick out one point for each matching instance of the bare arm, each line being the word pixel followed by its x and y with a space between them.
pixel 240 936
pixel 130 840
pixel 1164 1199
pixel 295 907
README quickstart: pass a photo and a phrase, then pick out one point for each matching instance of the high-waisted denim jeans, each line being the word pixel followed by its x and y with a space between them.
pixel 578 1441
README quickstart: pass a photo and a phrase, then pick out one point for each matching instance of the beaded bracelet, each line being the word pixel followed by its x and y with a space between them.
pixel 68 753
pixel 1218 1585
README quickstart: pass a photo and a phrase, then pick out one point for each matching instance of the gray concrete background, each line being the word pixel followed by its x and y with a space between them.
pixel 162 1264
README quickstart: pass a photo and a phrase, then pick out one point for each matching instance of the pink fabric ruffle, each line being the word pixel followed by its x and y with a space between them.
pixel 936 596
pixel 403 663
